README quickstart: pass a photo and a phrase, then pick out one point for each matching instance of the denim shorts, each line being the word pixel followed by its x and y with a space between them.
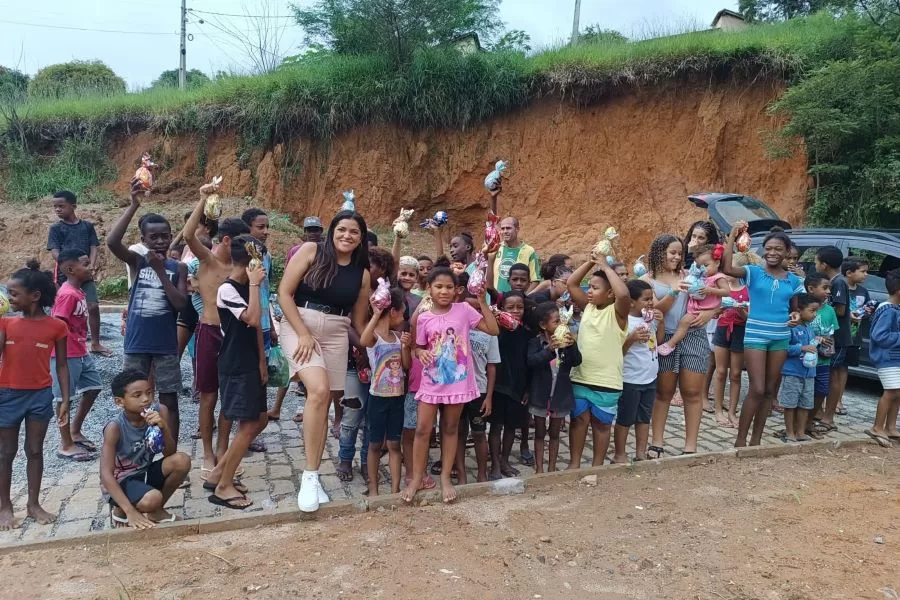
pixel 410 411
pixel 796 392
pixel 83 377
pixel 603 404
pixel 823 380
pixel 384 417
pixel 20 405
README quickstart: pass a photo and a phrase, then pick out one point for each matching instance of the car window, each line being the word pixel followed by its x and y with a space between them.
pixel 744 209
pixel 879 264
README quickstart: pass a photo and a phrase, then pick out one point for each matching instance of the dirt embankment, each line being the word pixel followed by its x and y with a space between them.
pixel 628 162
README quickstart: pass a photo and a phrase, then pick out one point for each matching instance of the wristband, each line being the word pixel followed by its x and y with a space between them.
pixel 254 285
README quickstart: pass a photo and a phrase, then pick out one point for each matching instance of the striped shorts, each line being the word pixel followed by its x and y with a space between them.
pixel 692 354
pixel 890 378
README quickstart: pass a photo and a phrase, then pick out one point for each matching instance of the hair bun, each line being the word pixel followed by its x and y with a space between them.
pixel 33 264
pixel 776 229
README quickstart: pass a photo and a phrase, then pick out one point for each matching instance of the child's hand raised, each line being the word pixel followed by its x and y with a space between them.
pixel 137 190
pixel 256 275
pixel 738 228
pixel 151 417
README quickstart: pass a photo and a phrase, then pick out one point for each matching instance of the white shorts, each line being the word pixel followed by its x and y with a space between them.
pixel 890 378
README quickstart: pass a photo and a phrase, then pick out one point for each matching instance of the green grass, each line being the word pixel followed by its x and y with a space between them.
pixel 113 288
pixel 439 88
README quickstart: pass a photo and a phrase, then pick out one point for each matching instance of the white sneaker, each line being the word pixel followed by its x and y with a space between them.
pixel 323 496
pixel 309 494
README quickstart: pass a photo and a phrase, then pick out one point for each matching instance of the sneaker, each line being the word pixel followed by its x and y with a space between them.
pixel 308 496
pixel 323 496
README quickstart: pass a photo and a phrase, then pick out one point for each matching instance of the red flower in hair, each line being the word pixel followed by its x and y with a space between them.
pixel 718 251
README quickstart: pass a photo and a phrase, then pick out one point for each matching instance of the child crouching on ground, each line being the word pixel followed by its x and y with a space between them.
pixel 798 377
pixel 550 362
pixel 137 486
pixel 884 350
pixel 384 414
pixel 715 287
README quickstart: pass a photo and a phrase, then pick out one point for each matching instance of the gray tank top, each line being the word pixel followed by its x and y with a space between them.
pixel 679 307
pixel 133 456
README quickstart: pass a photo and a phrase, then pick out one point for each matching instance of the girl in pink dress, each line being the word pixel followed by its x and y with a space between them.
pixel 448 375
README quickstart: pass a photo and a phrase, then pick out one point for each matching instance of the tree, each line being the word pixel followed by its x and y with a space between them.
pixel 169 79
pixel 259 35
pixel 782 10
pixel 12 81
pixel 848 114
pixel 594 34
pixel 395 28
pixel 513 41
pixel 75 78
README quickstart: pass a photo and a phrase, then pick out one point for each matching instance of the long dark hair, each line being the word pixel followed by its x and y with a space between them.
pixel 325 267
pixel 656 257
pixel 712 234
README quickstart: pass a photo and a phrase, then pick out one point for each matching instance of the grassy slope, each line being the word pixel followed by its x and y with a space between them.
pixel 440 88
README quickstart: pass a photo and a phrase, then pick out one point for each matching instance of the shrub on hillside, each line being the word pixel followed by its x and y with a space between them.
pixel 194 78
pixel 76 78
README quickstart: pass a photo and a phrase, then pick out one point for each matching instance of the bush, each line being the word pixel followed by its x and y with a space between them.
pixel 79 165
pixel 194 78
pixel 76 78
pixel 113 288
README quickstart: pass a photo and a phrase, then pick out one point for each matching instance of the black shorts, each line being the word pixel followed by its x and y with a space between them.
pixel 845 356
pixel 733 341
pixel 636 404
pixel 137 486
pixel 384 418
pixel 188 317
pixel 243 396
pixel 508 412
pixel 472 413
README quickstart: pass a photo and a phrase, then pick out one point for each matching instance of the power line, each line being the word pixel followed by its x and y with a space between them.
pixel 45 26
pixel 207 12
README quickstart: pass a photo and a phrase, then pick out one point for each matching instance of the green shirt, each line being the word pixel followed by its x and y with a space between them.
pixel 826 319
pixel 507 257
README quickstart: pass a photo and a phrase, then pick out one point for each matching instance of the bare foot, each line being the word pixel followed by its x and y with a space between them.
pixel 274 415
pixel 448 491
pixel 36 512
pixel 409 492
pixel 620 460
pixel 101 350
pixel 298 418
pixel 7 520
pixel 722 420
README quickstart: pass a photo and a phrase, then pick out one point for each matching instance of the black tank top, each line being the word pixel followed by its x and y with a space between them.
pixel 341 294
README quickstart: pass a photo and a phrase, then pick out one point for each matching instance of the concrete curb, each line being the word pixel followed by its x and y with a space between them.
pixel 334 509
pixel 112 308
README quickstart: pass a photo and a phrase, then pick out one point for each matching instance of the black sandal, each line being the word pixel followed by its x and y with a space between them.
pixel 659 450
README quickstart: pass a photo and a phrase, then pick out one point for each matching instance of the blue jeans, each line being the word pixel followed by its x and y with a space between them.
pixel 353 421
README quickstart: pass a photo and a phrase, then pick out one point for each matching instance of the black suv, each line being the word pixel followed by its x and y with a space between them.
pixel 881 247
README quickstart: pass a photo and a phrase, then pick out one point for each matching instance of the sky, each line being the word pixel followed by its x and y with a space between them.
pixel 140 38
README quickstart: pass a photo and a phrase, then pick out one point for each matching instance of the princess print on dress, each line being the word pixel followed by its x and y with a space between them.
pixel 451 360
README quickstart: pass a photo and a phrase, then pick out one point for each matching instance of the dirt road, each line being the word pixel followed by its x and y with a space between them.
pixel 824 525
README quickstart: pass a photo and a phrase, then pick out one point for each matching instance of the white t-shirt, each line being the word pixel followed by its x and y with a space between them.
pixel 138 248
pixel 641 363
pixel 485 350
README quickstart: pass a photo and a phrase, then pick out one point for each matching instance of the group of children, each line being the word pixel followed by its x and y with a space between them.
pixel 486 364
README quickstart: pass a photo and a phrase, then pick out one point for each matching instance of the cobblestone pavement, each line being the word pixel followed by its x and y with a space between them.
pixel 73 489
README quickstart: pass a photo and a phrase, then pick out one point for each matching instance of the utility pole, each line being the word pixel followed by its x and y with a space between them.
pixel 182 64
pixel 575 24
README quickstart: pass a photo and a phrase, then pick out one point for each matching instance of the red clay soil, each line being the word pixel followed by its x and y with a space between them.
pixel 628 162
pixel 812 526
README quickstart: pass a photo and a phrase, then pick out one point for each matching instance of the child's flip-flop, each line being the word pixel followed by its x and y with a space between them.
pixel 882 440
pixel 257 446
pixel 211 487
pixel 229 502
pixel 77 457
pixel 87 445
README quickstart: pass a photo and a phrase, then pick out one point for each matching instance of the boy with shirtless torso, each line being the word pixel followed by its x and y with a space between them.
pixel 210 270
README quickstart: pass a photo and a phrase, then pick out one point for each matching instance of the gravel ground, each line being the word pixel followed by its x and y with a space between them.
pixel 105 409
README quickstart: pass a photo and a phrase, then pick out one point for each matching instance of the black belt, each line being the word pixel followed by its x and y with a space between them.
pixel 324 308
